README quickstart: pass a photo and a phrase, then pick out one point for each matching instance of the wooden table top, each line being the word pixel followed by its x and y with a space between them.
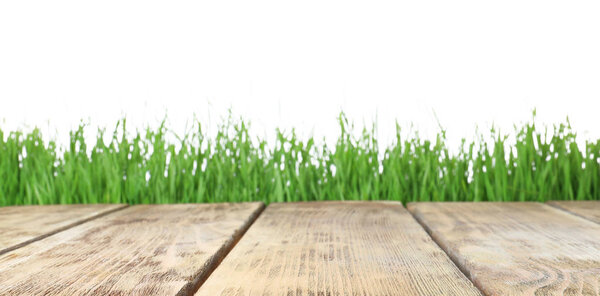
pixel 312 248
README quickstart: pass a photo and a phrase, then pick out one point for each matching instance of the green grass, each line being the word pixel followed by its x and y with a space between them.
pixel 143 167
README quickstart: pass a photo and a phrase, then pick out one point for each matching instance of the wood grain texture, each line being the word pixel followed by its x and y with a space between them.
pixel 141 250
pixel 517 248
pixel 589 209
pixel 336 248
pixel 21 225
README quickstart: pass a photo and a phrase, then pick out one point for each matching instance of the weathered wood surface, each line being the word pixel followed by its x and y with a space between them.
pixel 141 250
pixel 21 225
pixel 587 209
pixel 517 248
pixel 336 248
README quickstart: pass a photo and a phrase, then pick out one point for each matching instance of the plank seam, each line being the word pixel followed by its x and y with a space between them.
pixel 215 260
pixel 453 258
pixel 558 207
pixel 60 229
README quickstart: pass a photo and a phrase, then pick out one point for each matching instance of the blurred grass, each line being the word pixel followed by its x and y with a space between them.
pixel 143 167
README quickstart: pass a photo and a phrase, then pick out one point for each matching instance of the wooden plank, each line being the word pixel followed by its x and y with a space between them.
pixel 587 209
pixel 141 250
pixel 336 248
pixel 21 225
pixel 517 248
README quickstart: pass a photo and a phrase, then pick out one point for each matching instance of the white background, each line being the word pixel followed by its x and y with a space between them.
pixel 298 63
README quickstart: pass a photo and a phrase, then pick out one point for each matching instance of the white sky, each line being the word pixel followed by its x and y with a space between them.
pixel 298 63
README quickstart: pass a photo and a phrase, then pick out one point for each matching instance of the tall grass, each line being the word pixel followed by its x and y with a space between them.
pixel 143 167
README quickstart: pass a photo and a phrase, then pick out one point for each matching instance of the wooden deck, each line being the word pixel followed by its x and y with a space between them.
pixel 309 249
